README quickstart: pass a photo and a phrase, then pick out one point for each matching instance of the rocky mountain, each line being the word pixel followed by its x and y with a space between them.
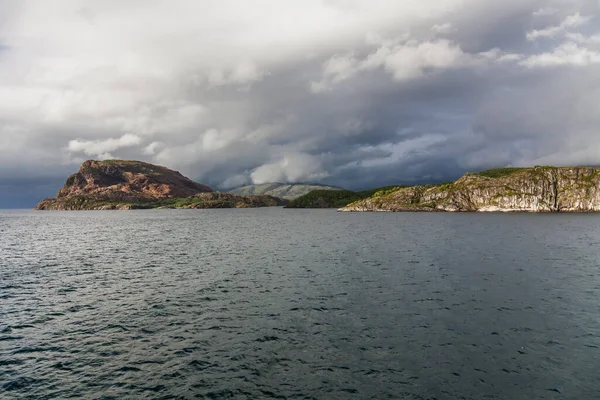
pixel 537 189
pixel 288 191
pixel 118 184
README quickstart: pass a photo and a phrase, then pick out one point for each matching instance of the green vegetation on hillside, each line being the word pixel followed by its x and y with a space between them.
pixel 202 200
pixel 337 198
pixel 325 199
pixel 379 191
pixel 137 167
pixel 499 172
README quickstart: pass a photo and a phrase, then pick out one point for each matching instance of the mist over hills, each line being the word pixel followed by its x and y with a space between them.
pixel 288 191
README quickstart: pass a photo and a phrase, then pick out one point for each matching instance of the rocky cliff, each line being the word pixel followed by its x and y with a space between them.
pixel 117 184
pixel 538 189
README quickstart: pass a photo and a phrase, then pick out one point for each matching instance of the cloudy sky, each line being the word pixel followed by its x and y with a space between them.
pixel 347 92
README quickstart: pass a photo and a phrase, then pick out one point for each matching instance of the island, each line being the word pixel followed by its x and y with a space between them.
pixel 536 189
pixel 129 185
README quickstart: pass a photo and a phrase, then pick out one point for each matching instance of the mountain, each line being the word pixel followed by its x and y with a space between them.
pixel 537 189
pixel 119 184
pixel 287 191
pixel 332 198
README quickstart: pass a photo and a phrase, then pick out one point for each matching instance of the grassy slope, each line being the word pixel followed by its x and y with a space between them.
pixel 324 199
pixel 337 198
pixel 499 172
pixel 204 200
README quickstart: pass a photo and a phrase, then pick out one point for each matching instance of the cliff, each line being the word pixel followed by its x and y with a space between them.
pixel 538 189
pixel 119 185
pixel 282 190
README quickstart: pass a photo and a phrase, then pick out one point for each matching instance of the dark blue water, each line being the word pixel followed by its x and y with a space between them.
pixel 295 304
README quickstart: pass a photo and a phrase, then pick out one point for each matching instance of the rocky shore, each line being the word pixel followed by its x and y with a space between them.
pixel 537 189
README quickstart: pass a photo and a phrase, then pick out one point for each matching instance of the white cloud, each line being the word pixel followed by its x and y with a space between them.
pixel 172 117
pixel 411 60
pixel 545 11
pixel 294 167
pixel 103 148
pixel 579 38
pixel 509 57
pixel 572 21
pixel 497 55
pixel 152 148
pixel 235 181
pixel 566 54
pixel 406 149
pixel 442 28
pixel 406 60
pixel 335 70
pixel 213 140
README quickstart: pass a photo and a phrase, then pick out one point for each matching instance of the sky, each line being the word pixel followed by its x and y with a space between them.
pixel 353 93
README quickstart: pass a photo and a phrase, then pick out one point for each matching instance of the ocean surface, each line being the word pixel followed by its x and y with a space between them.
pixel 299 304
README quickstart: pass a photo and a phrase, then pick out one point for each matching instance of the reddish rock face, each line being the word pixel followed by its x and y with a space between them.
pixel 126 181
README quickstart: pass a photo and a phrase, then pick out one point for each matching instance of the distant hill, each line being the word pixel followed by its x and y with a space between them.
pixel 335 199
pixel 125 185
pixel 282 190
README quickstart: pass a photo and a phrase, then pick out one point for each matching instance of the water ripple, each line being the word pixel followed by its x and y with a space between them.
pixel 298 304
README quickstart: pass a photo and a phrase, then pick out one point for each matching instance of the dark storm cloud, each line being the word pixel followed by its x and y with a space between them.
pixel 346 92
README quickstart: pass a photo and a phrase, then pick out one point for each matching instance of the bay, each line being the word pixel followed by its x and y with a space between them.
pixel 299 304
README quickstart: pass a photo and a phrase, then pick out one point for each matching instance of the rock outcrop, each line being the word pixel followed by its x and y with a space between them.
pixel 126 185
pixel 537 189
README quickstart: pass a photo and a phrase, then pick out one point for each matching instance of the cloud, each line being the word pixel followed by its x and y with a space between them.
pixel 572 21
pixel 335 70
pixel 565 54
pixel 579 38
pixel 152 148
pixel 244 73
pixel 103 148
pixel 442 28
pixel 411 60
pixel 545 11
pixel 346 92
pixel 403 61
pixel 295 167
pixel 407 60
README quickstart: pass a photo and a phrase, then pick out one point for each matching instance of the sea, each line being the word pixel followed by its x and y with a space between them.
pixel 279 303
